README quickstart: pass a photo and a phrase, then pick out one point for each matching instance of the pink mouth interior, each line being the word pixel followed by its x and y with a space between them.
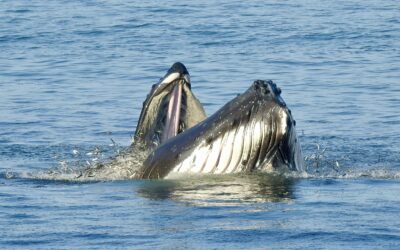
pixel 174 109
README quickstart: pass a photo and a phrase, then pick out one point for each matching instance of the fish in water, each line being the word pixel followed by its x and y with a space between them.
pixel 253 132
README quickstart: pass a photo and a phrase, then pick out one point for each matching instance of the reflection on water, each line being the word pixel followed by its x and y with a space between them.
pixel 221 190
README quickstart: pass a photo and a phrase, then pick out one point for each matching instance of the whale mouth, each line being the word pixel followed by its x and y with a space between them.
pixel 169 109
pixel 174 87
pixel 172 122
pixel 174 91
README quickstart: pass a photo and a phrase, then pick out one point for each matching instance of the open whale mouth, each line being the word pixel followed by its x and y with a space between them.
pixel 172 91
pixel 169 109
pixel 173 107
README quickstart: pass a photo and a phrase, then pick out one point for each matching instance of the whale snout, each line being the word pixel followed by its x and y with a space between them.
pixel 266 87
pixel 261 87
pixel 178 67
pixel 269 90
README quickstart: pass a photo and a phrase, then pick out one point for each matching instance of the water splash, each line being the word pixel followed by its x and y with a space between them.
pixel 82 164
pixel 322 163
pixel 123 166
pixel 114 162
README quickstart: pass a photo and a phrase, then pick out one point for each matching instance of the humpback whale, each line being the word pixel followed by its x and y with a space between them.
pixel 169 109
pixel 253 132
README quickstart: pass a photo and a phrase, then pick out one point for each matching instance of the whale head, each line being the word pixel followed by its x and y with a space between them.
pixel 253 132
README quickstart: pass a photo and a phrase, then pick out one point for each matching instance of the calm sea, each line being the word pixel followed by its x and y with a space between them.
pixel 74 74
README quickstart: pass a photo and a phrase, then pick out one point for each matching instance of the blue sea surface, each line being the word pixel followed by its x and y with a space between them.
pixel 74 74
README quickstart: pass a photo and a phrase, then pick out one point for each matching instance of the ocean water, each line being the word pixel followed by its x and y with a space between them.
pixel 74 74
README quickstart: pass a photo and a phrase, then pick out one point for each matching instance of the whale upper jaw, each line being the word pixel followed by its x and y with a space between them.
pixel 169 109
pixel 177 73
